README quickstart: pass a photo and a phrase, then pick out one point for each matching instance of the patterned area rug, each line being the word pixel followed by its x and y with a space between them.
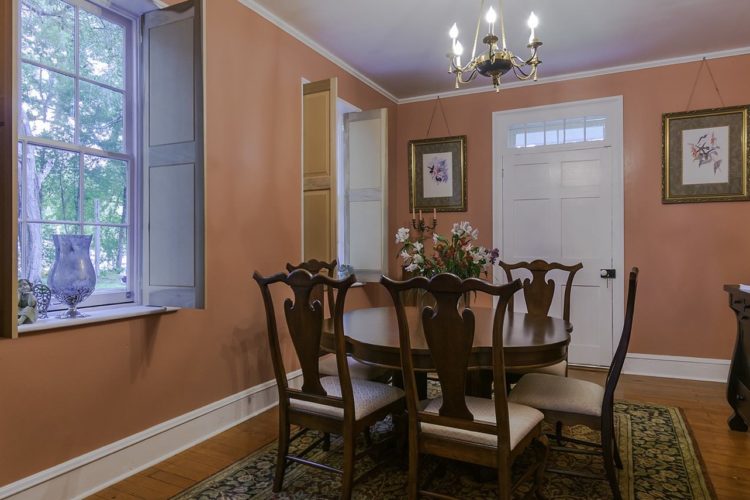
pixel 659 457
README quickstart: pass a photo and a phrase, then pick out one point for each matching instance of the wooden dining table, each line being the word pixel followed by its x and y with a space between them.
pixel 529 341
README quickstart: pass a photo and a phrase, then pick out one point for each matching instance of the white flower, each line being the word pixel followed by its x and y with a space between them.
pixel 435 238
pixel 418 259
pixel 402 235
pixel 412 267
pixel 418 246
pixel 405 256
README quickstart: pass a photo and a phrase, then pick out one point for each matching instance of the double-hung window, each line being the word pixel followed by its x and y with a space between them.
pixel 77 140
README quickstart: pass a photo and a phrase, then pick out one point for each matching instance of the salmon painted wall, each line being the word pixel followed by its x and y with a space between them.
pixel 685 252
pixel 67 392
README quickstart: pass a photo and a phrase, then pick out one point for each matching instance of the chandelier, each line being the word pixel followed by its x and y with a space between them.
pixel 497 59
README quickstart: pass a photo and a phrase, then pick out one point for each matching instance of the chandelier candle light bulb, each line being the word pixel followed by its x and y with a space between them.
pixel 491 17
pixel 533 22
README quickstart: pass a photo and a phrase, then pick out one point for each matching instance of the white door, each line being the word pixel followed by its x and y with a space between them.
pixel 557 207
pixel 563 203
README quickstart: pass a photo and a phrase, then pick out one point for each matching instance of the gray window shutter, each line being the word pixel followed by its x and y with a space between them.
pixel 173 175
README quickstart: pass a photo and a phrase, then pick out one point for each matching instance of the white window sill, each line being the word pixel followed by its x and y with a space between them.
pixel 100 315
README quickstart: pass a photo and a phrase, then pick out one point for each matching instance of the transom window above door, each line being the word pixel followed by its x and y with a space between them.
pixel 555 132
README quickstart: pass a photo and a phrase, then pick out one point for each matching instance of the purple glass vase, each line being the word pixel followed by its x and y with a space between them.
pixel 72 278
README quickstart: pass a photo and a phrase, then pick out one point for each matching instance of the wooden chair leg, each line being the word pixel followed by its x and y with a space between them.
pixel 542 456
pixel 558 433
pixel 368 437
pixel 616 449
pixel 504 483
pixel 282 452
pixel 413 486
pixel 609 466
pixel 347 481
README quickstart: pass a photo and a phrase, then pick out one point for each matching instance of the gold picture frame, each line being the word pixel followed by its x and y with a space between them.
pixel 705 155
pixel 437 174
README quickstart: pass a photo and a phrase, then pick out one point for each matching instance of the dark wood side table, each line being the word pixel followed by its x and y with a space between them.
pixel 738 384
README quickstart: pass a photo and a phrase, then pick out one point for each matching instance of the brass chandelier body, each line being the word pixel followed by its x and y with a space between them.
pixel 497 59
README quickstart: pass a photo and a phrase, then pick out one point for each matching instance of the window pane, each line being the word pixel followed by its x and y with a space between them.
pixel 101 117
pixel 40 251
pixel 105 190
pixel 574 130
pixel 55 195
pixel 109 256
pixel 553 132
pixel 517 136
pixel 47 104
pixel 47 33
pixel 102 46
pixel 535 134
pixel 595 128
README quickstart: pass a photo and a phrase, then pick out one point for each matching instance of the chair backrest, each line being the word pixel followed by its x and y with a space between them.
pixel 304 319
pixel 449 333
pixel 314 266
pixel 539 292
pixel 615 369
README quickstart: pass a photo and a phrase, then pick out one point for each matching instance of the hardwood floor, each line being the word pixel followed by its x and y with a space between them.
pixel 725 453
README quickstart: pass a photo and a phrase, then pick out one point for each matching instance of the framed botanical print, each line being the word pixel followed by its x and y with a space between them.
pixel 705 155
pixel 437 174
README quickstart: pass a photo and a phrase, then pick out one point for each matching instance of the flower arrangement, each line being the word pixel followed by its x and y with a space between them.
pixel 457 254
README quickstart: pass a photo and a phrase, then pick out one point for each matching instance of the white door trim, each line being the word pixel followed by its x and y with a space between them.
pixel 612 108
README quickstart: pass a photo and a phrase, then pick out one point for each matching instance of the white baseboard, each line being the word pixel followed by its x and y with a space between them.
pixel 655 365
pixel 86 474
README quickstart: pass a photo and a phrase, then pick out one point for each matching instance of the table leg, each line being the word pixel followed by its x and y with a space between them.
pixel 479 383
pixel 421 379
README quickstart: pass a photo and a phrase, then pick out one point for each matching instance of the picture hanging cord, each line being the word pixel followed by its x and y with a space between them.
pixel 442 111
pixel 704 62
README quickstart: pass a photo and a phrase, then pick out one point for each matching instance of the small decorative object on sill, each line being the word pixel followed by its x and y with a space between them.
pixel 456 254
pixel 72 278
pixel 26 303
pixel 43 298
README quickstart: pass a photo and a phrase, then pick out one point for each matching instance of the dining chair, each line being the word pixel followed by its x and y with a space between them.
pixel 327 361
pixel 575 402
pixel 337 404
pixel 481 431
pixel 538 293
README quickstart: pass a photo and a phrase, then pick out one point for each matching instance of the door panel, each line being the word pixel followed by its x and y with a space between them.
pixel 365 209
pixel 557 206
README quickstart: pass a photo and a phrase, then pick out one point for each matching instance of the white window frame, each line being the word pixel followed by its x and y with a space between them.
pixel 129 155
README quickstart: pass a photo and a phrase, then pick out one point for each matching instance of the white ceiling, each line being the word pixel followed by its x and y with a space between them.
pixel 401 45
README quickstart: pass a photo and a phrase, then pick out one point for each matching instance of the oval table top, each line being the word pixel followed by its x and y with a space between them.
pixel 528 341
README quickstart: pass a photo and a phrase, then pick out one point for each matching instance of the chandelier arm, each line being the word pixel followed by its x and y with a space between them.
pixel 523 76
pixel 476 33
pixel 470 78
pixel 518 62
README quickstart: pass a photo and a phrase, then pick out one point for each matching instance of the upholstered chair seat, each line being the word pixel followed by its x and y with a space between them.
pixel 357 369
pixel 560 369
pixel 522 420
pixel 559 394
pixel 368 397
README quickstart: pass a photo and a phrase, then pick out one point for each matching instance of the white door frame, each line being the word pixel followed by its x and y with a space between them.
pixel 612 108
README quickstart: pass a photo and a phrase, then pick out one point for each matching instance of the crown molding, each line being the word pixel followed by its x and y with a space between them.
pixel 582 74
pixel 291 30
